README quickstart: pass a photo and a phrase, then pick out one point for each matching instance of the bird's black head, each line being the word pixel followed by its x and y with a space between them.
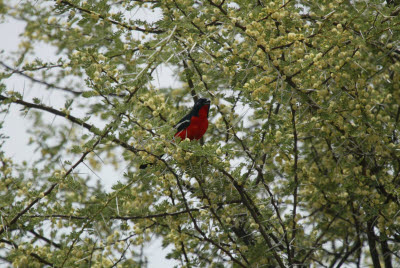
pixel 200 103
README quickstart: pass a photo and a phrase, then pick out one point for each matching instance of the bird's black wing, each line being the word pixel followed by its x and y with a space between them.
pixel 183 123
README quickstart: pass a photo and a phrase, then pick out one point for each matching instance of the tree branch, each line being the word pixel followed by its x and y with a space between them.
pixel 371 242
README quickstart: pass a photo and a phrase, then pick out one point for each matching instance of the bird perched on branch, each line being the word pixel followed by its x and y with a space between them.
pixel 194 124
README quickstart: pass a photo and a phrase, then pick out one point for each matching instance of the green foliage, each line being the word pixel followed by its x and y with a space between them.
pixel 300 164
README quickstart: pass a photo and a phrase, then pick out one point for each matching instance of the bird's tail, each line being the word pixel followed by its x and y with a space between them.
pixel 144 166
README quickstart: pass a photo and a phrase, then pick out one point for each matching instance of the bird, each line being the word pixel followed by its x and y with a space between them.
pixel 192 126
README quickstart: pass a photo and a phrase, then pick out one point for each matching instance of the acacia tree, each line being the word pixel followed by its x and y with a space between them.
pixel 300 164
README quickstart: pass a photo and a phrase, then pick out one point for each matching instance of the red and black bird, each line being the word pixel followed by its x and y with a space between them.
pixel 194 124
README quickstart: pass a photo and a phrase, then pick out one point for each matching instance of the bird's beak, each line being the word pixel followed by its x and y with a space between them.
pixel 208 102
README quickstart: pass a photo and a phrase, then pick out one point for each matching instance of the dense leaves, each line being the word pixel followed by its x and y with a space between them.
pixel 299 167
